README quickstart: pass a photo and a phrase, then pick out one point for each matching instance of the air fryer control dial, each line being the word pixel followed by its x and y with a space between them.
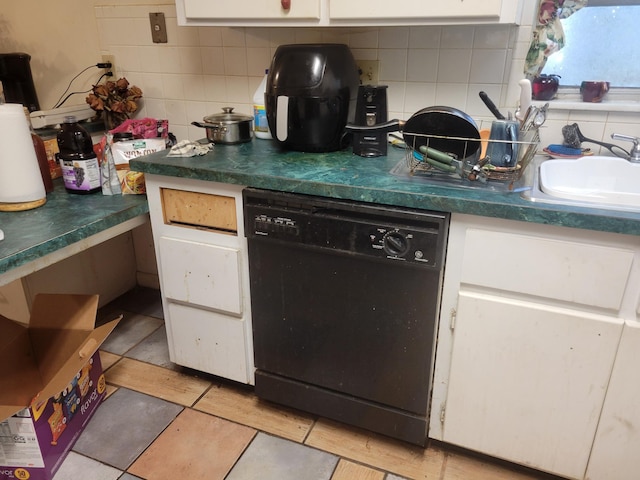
pixel 395 243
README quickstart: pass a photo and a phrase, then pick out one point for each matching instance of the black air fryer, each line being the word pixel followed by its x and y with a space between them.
pixel 311 95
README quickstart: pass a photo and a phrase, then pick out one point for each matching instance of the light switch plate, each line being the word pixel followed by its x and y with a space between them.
pixel 158 28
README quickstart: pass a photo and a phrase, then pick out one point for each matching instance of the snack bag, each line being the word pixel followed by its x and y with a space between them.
pixel 144 128
pixel 123 152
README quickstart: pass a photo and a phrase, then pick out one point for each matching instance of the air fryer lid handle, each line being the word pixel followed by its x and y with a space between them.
pixel 282 118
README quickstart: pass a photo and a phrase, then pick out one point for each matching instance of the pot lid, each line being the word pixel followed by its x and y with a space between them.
pixel 227 117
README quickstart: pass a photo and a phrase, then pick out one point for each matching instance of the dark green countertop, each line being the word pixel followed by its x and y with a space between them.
pixel 65 219
pixel 261 164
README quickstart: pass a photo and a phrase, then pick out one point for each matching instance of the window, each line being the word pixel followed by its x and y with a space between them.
pixel 602 43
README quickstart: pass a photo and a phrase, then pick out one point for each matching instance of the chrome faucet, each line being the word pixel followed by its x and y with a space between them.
pixel 634 154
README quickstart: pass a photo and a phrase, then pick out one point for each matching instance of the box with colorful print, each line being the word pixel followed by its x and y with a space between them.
pixel 52 383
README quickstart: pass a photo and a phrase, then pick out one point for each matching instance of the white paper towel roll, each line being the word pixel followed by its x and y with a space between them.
pixel 20 178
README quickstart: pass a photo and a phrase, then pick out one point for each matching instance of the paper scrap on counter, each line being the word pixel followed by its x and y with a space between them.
pixel 186 148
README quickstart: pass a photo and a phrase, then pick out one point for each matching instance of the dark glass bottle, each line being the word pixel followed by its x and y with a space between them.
pixel 41 154
pixel 79 163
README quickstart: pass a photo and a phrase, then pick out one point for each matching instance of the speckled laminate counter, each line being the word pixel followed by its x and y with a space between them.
pixel 343 175
pixel 65 220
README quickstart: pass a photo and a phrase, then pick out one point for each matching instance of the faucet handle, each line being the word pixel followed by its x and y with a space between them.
pixel 634 155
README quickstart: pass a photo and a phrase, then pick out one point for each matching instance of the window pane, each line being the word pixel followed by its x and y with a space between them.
pixel 602 43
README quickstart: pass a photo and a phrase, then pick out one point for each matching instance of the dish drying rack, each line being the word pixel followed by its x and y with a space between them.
pixel 474 167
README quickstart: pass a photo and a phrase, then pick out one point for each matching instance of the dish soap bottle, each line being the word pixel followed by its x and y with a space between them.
pixel 260 123
pixel 79 163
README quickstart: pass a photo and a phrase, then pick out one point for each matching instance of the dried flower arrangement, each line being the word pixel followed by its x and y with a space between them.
pixel 115 100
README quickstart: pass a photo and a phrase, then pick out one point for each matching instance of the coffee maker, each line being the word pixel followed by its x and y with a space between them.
pixel 371 109
pixel 17 81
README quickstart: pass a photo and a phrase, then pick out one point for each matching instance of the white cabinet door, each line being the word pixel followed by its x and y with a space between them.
pixel 201 274
pixel 249 10
pixel 348 12
pixel 528 381
pixel 209 342
pixel 617 445
pixel 412 9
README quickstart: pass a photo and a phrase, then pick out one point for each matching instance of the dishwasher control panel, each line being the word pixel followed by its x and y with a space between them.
pixel 349 228
pixel 382 241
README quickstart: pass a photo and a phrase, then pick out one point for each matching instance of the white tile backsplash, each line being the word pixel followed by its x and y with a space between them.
pixel 202 69
pixel 454 66
pixel 487 65
pixel 425 37
pixel 457 37
pixel 422 65
pixel 393 37
pixel 393 65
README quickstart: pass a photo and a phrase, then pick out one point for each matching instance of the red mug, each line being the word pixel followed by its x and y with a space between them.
pixel 593 91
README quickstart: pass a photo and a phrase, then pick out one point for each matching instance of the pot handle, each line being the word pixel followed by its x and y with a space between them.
pixel 206 125
pixel 394 125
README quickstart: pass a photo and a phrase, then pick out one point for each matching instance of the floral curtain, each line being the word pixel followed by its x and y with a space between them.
pixel 548 35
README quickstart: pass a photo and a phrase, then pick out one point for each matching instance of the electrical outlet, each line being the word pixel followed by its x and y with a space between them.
pixel 368 71
pixel 111 59
pixel 158 27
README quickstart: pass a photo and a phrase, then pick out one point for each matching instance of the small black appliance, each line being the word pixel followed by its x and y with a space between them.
pixel 311 95
pixel 17 81
pixel 371 109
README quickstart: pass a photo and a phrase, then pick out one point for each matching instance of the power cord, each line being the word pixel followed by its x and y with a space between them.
pixel 60 102
pixel 108 74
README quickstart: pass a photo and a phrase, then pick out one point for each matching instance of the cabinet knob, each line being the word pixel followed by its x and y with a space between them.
pixel 286 4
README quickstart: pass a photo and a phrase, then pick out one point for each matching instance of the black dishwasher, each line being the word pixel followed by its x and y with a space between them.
pixel 345 298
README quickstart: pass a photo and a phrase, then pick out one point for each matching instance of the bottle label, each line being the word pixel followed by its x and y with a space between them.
pixel 82 175
pixel 260 122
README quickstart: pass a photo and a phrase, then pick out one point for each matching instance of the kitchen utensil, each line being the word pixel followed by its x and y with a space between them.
pixel 573 137
pixel 484 135
pixel 535 117
pixel 228 127
pixel 525 99
pixel 438 159
pixel 491 106
pixel 503 143
pixel 446 129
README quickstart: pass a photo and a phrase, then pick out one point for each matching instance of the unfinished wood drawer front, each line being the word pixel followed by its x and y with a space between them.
pixel 201 274
pixel 208 341
pixel 569 271
pixel 200 210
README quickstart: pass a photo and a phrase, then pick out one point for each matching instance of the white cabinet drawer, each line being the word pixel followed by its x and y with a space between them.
pixel 568 271
pixel 424 9
pixel 201 274
pixel 208 341
pixel 249 10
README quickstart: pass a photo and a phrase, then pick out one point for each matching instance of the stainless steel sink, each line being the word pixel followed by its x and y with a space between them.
pixel 598 182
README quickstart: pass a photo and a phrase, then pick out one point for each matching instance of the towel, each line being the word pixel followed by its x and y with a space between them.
pixel 186 148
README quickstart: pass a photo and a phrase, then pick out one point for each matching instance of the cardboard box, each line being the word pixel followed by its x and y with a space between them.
pixel 51 383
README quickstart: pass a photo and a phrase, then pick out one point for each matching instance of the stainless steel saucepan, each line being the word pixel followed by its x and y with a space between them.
pixel 227 127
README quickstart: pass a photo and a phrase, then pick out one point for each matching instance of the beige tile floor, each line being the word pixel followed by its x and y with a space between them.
pixel 220 420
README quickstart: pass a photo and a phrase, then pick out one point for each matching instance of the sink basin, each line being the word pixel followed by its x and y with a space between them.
pixel 608 182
